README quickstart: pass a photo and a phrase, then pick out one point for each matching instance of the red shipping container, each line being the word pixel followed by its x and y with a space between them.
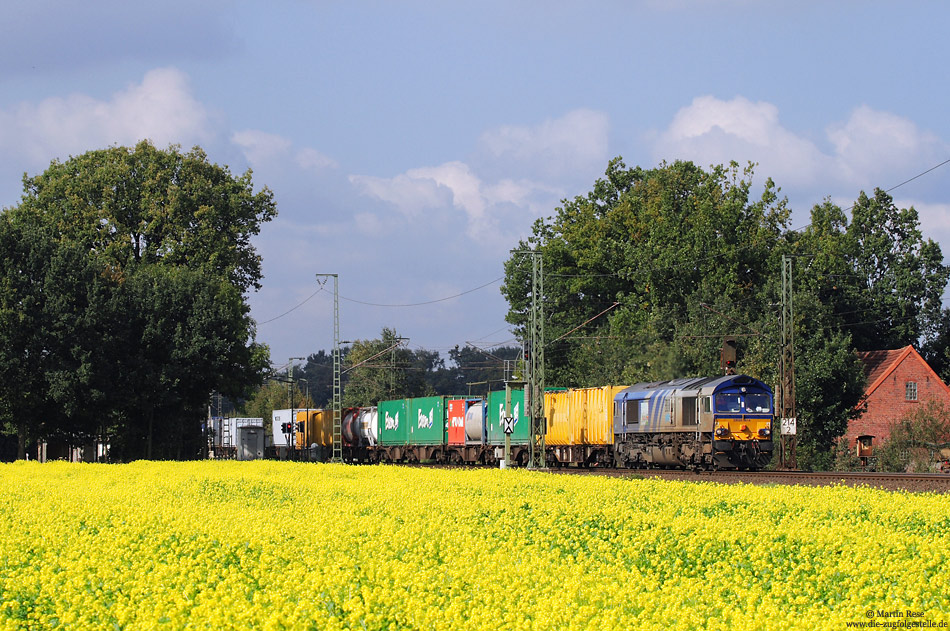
pixel 457 422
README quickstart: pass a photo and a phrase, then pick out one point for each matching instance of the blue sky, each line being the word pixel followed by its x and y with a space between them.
pixel 410 145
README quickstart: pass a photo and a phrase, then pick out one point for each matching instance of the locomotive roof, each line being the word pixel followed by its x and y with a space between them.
pixel 708 384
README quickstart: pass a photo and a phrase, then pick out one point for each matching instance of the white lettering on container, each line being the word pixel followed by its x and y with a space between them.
pixel 425 422
pixel 391 422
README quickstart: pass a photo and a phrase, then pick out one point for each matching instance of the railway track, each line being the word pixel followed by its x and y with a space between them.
pixel 910 482
pixel 914 482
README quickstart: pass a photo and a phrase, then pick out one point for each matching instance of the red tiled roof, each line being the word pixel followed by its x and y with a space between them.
pixel 879 364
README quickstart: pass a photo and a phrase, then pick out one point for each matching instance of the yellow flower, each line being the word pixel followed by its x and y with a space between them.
pixel 279 545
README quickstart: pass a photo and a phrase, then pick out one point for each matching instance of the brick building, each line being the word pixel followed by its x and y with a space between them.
pixel 897 381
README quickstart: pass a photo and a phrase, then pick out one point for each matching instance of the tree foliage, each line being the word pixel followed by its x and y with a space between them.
pixel 276 394
pixel 122 305
pixel 383 368
pixel 916 439
pixel 664 253
pixel 143 205
pixel 476 370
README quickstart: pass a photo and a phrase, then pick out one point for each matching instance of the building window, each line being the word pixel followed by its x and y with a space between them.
pixel 910 391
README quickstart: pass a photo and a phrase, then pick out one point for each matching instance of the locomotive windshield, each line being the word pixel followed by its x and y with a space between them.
pixel 757 403
pixel 735 403
pixel 728 402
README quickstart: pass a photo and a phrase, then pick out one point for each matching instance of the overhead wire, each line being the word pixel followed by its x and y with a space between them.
pixel 372 304
pixel 427 302
pixel 288 312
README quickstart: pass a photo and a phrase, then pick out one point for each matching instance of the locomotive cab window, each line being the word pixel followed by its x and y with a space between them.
pixel 707 404
pixel 757 403
pixel 728 402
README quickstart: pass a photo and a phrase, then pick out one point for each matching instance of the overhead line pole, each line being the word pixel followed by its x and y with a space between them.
pixel 337 399
pixel 789 422
pixel 534 363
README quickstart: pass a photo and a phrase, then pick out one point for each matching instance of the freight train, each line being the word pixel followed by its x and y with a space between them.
pixel 701 423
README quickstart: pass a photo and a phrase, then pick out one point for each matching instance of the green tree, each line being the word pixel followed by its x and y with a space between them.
pixel 318 371
pixel 275 394
pixel 829 388
pixel 53 362
pixel 474 370
pixel 901 275
pixel 871 284
pixel 647 272
pixel 187 334
pixel 383 369
pixel 916 438
pixel 124 298
pixel 144 205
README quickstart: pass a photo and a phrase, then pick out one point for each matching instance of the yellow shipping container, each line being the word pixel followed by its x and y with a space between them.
pixel 557 409
pixel 592 412
pixel 583 416
pixel 317 428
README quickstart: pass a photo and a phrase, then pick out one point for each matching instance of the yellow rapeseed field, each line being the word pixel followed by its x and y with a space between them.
pixel 271 545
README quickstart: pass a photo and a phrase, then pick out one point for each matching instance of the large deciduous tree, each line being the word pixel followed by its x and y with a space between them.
pixel 123 298
pixel 900 273
pixel 673 258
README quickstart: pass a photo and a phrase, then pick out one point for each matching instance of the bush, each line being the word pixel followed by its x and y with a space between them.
pixel 915 438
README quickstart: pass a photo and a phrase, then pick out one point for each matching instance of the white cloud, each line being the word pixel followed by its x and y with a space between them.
pixel 464 185
pixel 260 147
pixel 934 217
pixel 712 131
pixel 518 175
pixel 369 224
pixel 872 145
pixel 160 108
pixel 312 160
pixel 870 149
pixel 454 185
pixel 265 150
pixel 556 148
pixel 411 195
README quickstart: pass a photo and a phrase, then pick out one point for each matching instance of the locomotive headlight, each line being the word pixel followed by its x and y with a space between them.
pixel 722 431
pixel 765 432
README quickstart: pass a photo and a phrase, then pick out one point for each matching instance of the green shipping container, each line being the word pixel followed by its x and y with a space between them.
pixel 496 412
pixel 427 420
pixel 393 422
